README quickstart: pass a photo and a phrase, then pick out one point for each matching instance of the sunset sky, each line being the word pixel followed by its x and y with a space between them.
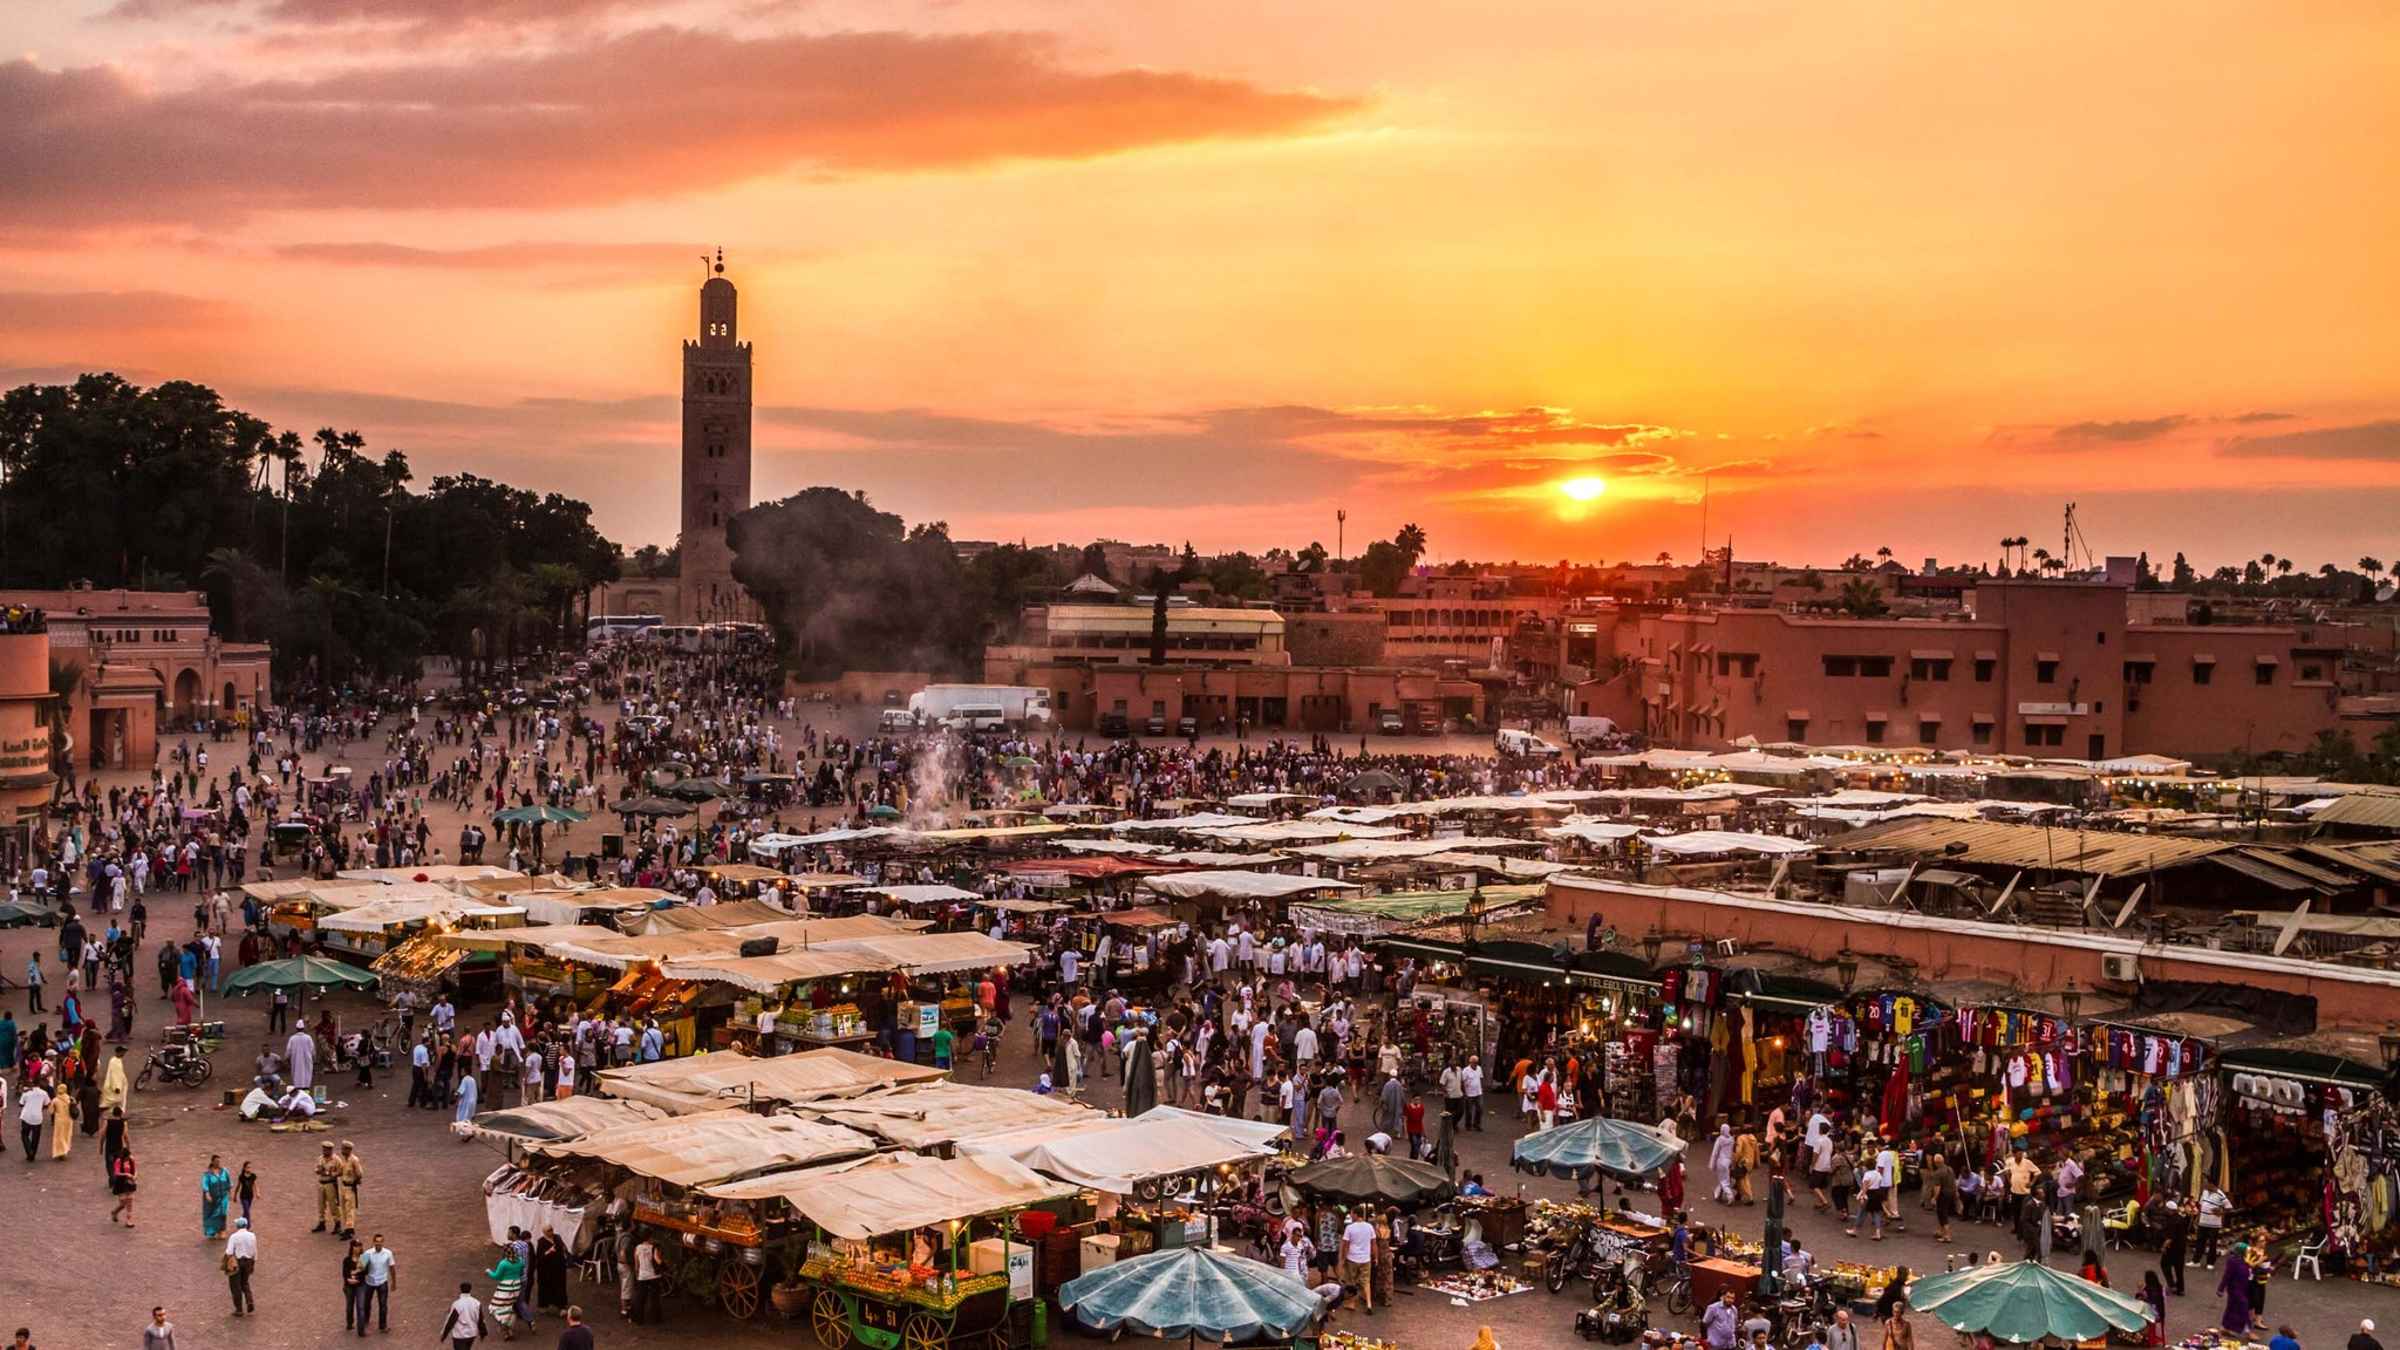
pixel 1890 274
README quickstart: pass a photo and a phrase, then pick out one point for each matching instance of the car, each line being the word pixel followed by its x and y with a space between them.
pixel 896 719
pixel 1114 724
pixel 1390 723
pixel 1156 726
pixel 1187 726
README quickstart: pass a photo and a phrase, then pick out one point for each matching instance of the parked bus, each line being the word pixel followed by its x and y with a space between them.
pixel 601 627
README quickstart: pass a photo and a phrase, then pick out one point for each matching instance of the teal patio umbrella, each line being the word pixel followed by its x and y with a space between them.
pixel 538 814
pixel 698 790
pixel 1618 1148
pixel 1375 1178
pixel 2025 1302
pixel 1195 1292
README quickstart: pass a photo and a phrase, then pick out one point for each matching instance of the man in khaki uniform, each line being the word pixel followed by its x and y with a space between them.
pixel 351 1171
pixel 329 1190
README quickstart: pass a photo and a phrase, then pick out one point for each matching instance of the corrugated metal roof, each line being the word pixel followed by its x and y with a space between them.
pixel 2088 852
pixel 2259 869
pixel 2380 859
pixel 2289 861
pixel 2368 810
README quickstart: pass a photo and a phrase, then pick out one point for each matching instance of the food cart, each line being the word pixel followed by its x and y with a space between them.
pixel 715 1249
pixel 905 1252
pixel 1162 1180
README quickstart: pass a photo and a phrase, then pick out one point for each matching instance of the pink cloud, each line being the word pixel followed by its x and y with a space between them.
pixel 644 115
pixel 96 314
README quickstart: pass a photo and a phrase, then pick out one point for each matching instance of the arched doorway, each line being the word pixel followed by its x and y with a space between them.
pixel 186 702
pixel 231 702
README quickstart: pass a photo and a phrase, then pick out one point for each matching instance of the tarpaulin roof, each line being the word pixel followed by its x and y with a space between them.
pixel 766 974
pixel 1301 831
pixel 1240 885
pixel 935 953
pixel 1203 820
pixel 708 1082
pixel 927 1115
pixel 1592 831
pixel 726 914
pixel 1076 869
pixel 900 1191
pixel 921 895
pixel 564 1118
pixel 1128 848
pixel 1112 1155
pixel 714 1146
pixel 393 913
pixel 1378 850
pixel 1726 841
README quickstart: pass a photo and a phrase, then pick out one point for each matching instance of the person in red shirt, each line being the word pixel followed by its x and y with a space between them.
pixel 1414 1117
pixel 1546 1101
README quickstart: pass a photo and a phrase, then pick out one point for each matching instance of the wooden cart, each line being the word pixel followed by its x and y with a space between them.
pixel 852 1308
pixel 726 1265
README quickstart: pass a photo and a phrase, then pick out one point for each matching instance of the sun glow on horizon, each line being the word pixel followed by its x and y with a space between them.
pixel 1583 489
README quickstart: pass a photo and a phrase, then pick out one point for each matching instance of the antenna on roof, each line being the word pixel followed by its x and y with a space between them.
pixel 720 260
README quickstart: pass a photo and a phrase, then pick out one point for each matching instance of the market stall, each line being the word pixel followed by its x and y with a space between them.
pixel 907 1252
pixel 710 1082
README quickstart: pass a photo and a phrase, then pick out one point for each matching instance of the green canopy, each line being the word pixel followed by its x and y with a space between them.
pixel 1021 762
pixel 1192 1292
pixel 1618 1148
pixel 539 814
pixel 653 806
pixel 302 972
pixel 1375 1177
pixel 698 790
pixel 2025 1302
pixel 880 811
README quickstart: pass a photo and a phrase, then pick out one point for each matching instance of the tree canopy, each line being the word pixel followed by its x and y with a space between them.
pixel 315 545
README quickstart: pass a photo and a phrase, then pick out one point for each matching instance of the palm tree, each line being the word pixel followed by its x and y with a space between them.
pixel 2042 556
pixel 1884 553
pixel 2283 567
pixel 1411 542
pixel 2370 566
pixel 2007 542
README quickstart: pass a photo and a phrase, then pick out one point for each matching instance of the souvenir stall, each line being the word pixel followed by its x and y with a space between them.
pixel 2006 1075
pixel 787 1001
pixel 2284 1104
pixel 1156 1182
pixel 749 881
pixel 2146 1102
pixel 903 1250
pixel 2363 1184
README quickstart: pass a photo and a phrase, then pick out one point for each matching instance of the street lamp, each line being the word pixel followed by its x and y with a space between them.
pixel 1651 942
pixel 2389 1043
pixel 2070 1000
pixel 1845 966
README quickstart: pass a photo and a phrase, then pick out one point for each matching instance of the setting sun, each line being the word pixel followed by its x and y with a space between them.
pixel 1583 489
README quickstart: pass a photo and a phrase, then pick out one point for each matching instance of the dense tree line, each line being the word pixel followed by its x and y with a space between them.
pixel 314 545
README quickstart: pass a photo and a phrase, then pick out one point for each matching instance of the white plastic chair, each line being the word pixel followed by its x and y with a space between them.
pixel 2309 1255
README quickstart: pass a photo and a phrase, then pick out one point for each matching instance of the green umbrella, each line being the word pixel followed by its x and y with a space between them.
pixel 300 972
pixel 1375 1177
pixel 1195 1292
pixel 2025 1302
pixel 1021 762
pixel 653 806
pixel 1618 1148
pixel 698 790
pixel 538 815
pixel 882 812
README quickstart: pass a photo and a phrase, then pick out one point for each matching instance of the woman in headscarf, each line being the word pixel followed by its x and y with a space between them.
pixel 466 1099
pixel 1720 1162
pixel 508 1283
pixel 550 1272
pixel 63 1111
pixel 2234 1284
pixel 216 1195
pixel 1670 1188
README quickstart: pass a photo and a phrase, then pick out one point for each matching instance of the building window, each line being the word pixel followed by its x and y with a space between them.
pixel 1929 668
pixel 1929 731
pixel 2036 734
pixel 1980 733
pixel 1742 664
pixel 2266 674
pixel 2203 671
pixel 1874 733
pixel 1875 667
pixel 2045 672
pixel 2311 672
pixel 2138 672
pixel 1983 670
pixel 1796 730
pixel 1841 667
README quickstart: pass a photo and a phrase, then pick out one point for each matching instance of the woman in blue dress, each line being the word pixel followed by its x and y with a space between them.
pixel 216 1196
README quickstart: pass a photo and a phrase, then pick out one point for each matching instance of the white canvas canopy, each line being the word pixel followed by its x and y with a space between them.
pixel 1240 885
pixel 1357 815
pixel 565 1118
pixel 930 1115
pixel 1123 848
pixel 1727 841
pixel 711 1082
pixel 766 974
pixel 714 1146
pixel 1267 798
pixel 1114 1155
pixel 1851 797
pixel 935 953
pixel 1204 820
pixel 921 895
pixel 1592 831
pixel 900 1191
pixel 1300 832
pixel 1387 850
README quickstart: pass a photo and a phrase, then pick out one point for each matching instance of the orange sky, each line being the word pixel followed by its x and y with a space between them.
pixel 1901 275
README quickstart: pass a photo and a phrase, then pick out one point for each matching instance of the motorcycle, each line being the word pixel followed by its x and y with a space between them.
pixel 1598 1257
pixel 176 1062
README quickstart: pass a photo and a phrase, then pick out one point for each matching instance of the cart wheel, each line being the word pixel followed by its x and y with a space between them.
pixel 737 1289
pixel 830 1320
pixel 923 1333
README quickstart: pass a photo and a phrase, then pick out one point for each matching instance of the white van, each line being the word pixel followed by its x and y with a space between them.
pixel 1510 741
pixel 895 720
pixel 977 717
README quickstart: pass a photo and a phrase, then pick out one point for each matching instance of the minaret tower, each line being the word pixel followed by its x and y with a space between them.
pixel 716 453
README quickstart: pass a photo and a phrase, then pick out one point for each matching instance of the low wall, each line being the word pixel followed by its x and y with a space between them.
pixel 2034 959
pixel 861 686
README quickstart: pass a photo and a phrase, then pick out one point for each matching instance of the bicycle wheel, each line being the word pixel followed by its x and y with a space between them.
pixel 141 1081
pixel 1679 1297
pixel 1554 1271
